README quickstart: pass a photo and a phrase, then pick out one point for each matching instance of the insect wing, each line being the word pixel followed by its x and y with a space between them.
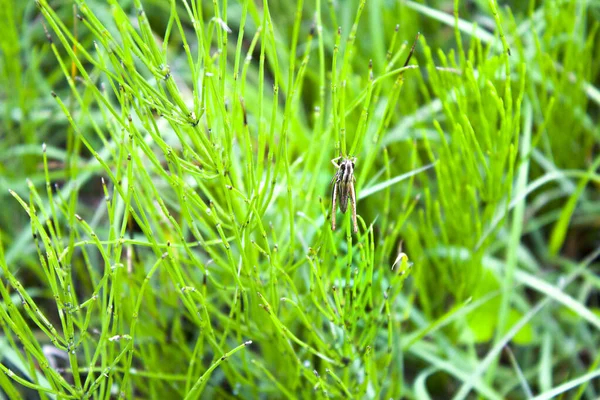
pixel 334 192
pixel 343 192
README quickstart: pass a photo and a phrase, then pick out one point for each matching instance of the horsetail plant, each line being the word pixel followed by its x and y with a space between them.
pixel 165 232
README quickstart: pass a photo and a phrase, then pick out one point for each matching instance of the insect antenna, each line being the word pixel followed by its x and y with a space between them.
pixel 412 49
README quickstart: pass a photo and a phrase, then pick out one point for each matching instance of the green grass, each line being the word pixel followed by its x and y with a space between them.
pixel 165 187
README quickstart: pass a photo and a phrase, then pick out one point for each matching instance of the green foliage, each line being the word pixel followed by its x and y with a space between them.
pixel 165 178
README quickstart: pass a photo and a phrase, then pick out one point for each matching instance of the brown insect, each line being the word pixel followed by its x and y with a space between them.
pixel 343 188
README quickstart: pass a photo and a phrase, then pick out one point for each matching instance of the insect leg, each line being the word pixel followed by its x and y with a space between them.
pixel 334 179
pixel 334 162
pixel 353 200
pixel 412 49
pixel 333 205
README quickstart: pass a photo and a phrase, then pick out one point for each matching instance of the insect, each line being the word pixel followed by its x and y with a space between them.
pixel 343 188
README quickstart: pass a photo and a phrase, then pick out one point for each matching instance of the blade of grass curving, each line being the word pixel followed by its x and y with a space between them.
pixel 552 293
pixel 559 231
pixel 428 355
pixel 573 383
pixel 364 193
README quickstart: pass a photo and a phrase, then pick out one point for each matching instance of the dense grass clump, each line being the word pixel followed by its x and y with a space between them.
pixel 166 184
